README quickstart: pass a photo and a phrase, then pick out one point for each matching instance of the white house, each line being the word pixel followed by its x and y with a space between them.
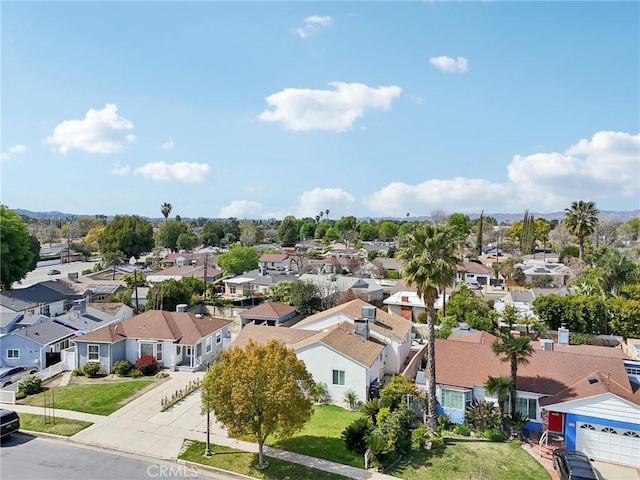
pixel 409 305
pixel 472 273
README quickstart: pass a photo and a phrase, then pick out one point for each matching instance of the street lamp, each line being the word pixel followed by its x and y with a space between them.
pixel 207 451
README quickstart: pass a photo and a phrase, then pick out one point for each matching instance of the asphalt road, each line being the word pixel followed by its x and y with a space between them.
pixel 40 274
pixel 24 457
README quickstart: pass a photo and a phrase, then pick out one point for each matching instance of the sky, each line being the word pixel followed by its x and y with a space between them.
pixel 266 109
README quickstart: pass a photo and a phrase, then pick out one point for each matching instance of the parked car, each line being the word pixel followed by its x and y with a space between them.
pixel 474 285
pixel 572 465
pixel 10 422
pixel 9 375
pixel 53 271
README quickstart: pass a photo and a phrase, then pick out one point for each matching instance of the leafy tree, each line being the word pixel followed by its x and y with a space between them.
pixel 625 316
pixel 515 351
pixel 366 231
pixel 330 235
pixel 615 269
pixel 187 241
pixel 168 294
pixel 569 251
pixel 459 223
pixel 15 248
pixel 630 229
pixel 168 233
pixel 212 233
pixel 129 234
pixel 166 208
pixel 542 228
pixel 396 427
pixel 502 388
pixel 93 235
pixel 581 219
pixel 113 259
pixel 479 235
pixel 464 306
pixel 346 229
pixel 85 249
pixel 280 292
pixel 510 315
pixel 231 230
pixel 387 230
pixel 528 235
pixel 395 392
pixel 259 391
pixel 305 296
pixel 307 230
pixel 371 408
pixel 288 231
pixel 430 265
pixel 238 260
pixel 580 313
pixel 34 246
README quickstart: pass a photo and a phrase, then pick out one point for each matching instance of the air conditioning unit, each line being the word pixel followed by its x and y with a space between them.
pixel 546 344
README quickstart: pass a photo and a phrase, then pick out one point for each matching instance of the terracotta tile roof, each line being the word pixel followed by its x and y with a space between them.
pixel 388 324
pixel 343 339
pixel 596 383
pixel 109 308
pixel 274 257
pixel 271 310
pixel 262 334
pixel 475 337
pixel 182 327
pixel 548 372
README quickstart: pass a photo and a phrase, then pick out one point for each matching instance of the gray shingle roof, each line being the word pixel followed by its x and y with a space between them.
pixel 45 333
pixel 29 297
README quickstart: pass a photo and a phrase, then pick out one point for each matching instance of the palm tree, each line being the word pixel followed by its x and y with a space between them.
pixel 503 389
pixel 321 215
pixel 317 218
pixel 516 351
pixel 581 220
pixel 430 264
pixel 371 409
pixel 327 212
pixel 166 210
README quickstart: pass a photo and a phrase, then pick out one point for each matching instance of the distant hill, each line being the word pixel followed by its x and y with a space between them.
pixel 508 218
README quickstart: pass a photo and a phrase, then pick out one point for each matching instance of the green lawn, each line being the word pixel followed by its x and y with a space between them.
pixel 245 462
pixel 62 426
pixel 465 458
pixel 320 437
pixel 98 398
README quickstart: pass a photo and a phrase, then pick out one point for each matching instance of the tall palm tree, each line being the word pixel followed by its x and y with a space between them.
pixel 580 221
pixel 503 389
pixel 516 351
pixel 166 210
pixel 430 263
pixel 327 212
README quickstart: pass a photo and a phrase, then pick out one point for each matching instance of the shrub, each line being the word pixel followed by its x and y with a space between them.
pixel 30 384
pixel 397 428
pixel 580 338
pixel 91 369
pixel 147 365
pixel 77 372
pixel 382 415
pixel 494 436
pixel 135 373
pixel 462 430
pixel 20 395
pixel 351 398
pixel 319 392
pixel 419 437
pixel 436 441
pixel 355 434
pixel 444 422
pixel 122 368
pixel 162 374
pixel 482 416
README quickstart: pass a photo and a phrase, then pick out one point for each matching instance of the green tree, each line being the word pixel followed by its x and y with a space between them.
pixel 305 296
pixel 502 388
pixel 387 230
pixel 430 265
pixel 166 208
pixel 129 234
pixel 85 249
pixel 330 234
pixel 259 391
pixel 625 317
pixel 630 229
pixel 459 223
pixel 516 351
pixel 187 241
pixel 280 292
pixel 479 235
pixel 615 269
pixel 528 235
pixel 366 231
pixel 15 248
pixel 238 260
pixel 465 306
pixel 212 233
pixel 288 231
pixel 581 219
pixel 168 294
pixel 113 259
pixel 34 246
pixel 168 233
pixel 307 230
pixel 346 229
pixel 395 392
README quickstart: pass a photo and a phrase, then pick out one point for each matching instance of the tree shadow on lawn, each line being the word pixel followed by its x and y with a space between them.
pixel 327 448
pixel 415 460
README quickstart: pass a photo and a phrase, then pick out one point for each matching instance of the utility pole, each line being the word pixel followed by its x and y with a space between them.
pixel 135 282
pixel 204 279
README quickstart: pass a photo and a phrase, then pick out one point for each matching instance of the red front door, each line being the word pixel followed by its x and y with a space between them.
pixel 555 421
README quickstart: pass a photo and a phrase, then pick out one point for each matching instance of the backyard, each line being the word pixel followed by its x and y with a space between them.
pixel 60 426
pixel 100 398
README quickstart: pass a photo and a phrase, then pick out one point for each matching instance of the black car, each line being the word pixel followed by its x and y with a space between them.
pixel 10 422
pixel 572 465
pixel 53 271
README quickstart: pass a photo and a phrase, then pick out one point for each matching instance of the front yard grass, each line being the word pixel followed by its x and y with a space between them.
pixel 96 398
pixel 320 437
pixel 464 458
pixel 63 426
pixel 245 463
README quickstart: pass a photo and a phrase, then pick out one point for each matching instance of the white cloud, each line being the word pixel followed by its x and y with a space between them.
pixel 606 166
pixel 338 201
pixel 313 24
pixel 177 172
pixel 242 209
pixel 119 169
pixel 448 64
pixel 101 131
pixel 168 145
pixel 303 109
pixel 15 150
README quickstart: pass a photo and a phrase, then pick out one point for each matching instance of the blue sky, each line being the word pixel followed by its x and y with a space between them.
pixel 263 109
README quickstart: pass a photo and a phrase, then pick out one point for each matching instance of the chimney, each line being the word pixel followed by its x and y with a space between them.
pixel 563 335
pixel 182 307
pixel 80 307
pixel 369 313
pixel 361 327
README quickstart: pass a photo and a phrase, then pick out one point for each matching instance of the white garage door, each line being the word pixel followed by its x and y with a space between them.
pixel 614 445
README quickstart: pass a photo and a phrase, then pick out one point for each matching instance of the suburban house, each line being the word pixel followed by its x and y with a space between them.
pixel 343 356
pixel 188 258
pixel 336 286
pixel 341 250
pixel 268 313
pixel 472 272
pixel 554 274
pixel 178 272
pixel 409 305
pixel 252 284
pixel 336 265
pixel 35 299
pixel 38 345
pixel 84 319
pixel 117 310
pixel 10 321
pixel 176 339
pixel 277 261
pixel 592 401
pixel 392 330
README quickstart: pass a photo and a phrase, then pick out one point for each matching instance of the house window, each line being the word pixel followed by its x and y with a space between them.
pixel 218 337
pixel 93 353
pixel 338 377
pixel 453 399
pixel 145 348
pixel 178 350
pixel 232 289
pixel 209 343
pixel 528 407
pixel 13 353
pixel 159 352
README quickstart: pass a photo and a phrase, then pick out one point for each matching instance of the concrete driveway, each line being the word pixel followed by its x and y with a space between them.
pixel 610 471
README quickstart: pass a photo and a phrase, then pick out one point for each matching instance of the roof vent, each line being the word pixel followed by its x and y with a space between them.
pixel 369 313
pixel 592 380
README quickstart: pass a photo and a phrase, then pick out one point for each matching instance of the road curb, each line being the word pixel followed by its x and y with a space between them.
pixel 211 469
pixel 53 436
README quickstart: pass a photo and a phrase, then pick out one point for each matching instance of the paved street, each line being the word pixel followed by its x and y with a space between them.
pixel 40 274
pixel 24 457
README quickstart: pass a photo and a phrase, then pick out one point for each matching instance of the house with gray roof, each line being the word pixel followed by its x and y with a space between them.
pixel 84 319
pixel 38 298
pixel 10 321
pixel 254 284
pixel 37 345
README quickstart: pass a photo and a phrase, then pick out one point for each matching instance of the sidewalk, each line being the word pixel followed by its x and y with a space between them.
pixel 85 417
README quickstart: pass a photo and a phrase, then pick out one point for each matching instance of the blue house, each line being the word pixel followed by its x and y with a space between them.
pixel 38 345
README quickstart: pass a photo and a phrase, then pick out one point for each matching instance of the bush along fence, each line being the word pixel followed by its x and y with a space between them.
pixel 167 402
